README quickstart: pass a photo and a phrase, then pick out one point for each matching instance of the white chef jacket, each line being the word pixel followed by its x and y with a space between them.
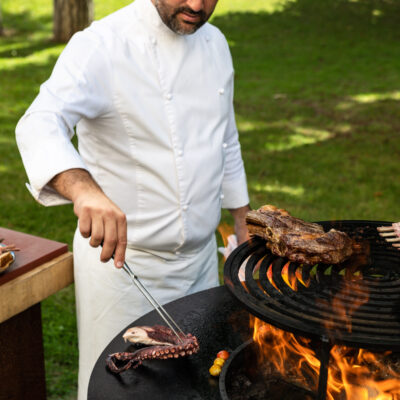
pixel 154 116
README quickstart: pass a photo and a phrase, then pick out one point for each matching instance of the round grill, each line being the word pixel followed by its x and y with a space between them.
pixel 358 306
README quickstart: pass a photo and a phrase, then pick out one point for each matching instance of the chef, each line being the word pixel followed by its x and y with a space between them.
pixel 149 90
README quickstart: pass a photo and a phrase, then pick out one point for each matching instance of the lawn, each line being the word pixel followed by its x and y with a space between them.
pixel 317 105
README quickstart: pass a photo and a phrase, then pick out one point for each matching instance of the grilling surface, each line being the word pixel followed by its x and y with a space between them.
pixel 358 306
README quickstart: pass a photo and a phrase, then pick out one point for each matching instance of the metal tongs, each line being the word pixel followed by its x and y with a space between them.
pixel 156 305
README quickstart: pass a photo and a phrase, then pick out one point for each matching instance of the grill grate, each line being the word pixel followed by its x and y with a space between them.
pixel 339 304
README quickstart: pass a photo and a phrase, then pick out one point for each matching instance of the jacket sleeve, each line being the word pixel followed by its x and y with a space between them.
pixel 77 88
pixel 234 185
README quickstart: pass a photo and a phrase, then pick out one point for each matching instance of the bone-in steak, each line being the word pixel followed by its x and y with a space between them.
pixel 297 240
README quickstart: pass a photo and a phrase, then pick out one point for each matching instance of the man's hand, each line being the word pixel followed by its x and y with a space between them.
pixel 102 221
pixel 239 215
pixel 99 218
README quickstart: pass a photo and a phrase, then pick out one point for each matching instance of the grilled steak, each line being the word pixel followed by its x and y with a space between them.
pixel 297 240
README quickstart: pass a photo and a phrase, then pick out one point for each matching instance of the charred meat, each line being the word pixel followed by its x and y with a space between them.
pixel 298 240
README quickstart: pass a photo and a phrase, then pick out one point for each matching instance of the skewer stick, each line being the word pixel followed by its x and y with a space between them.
pixel 384 228
pixel 389 234
pixel 393 240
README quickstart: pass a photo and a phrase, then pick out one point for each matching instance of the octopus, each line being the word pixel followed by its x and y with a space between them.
pixel 159 342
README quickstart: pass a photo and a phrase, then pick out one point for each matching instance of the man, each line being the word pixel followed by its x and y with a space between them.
pixel 149 89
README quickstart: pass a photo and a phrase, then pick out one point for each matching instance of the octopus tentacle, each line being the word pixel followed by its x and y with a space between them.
pixel 125 359
pixel 162 344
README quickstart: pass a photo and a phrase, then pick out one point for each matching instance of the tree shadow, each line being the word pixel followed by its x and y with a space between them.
pixel 313 17
pixel 317 89
pixel 328 41
pixel 18 23
pixel 21 29
pixel 319 69
pixel 27 49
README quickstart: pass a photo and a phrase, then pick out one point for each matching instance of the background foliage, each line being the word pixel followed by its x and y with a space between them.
pixel 317 106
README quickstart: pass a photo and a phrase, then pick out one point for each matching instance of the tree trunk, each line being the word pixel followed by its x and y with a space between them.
pixel 71 16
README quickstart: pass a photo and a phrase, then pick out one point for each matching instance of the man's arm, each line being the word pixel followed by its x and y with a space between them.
pixel 239 215
pixel 79 87
pixel 99 218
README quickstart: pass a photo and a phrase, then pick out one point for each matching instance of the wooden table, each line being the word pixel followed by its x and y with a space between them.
pixel 42 268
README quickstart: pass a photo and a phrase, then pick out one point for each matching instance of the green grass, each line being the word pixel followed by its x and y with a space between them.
pixel 317 105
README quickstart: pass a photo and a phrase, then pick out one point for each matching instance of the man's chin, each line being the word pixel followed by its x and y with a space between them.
pixel 185 28
pixel 189 27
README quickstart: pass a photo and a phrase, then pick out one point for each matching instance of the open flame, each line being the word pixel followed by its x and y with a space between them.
pixel 225 230
pixel 229 239
pixel 360 374
pixel 341 306
pixel 354 374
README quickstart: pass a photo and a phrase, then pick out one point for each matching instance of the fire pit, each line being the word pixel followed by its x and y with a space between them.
pixel 329 305
pixel 321 306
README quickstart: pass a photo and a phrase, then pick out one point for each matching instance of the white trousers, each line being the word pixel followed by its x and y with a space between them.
pixel 107 300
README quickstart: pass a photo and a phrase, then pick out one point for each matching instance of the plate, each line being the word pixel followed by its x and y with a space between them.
pixel 5 263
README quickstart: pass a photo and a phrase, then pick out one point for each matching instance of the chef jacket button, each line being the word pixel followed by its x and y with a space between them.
pixel 207 38
pixel 168 96
pixel 221 196
pixel 224 145
pixel 153 40
pixel 180 153
pixel 185 207
pixel 221 91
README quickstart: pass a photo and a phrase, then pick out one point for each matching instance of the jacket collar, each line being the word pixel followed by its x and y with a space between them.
pixel 148 13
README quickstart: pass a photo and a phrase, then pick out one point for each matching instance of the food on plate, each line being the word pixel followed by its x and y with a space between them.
pixel 6 255
pixel 298 240
pixel 4 248
pixel 6 258
pixel 160 341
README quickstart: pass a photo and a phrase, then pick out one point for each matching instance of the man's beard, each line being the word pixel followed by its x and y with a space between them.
pixel 169 16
